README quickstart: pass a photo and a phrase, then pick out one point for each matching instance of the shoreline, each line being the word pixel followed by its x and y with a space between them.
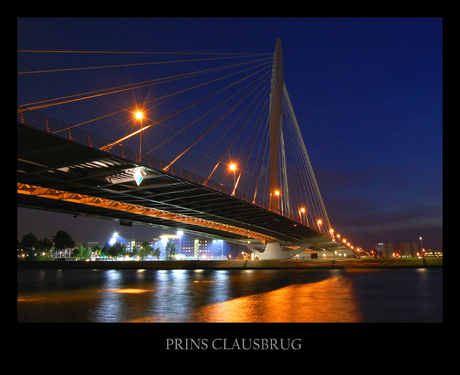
pixel 235 264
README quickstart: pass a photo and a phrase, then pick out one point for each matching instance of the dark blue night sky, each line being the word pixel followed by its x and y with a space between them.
pixel 367 94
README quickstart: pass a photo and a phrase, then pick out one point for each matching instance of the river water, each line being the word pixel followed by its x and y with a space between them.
pixel 341 295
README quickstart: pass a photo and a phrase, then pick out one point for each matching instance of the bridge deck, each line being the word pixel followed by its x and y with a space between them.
pixel 77 165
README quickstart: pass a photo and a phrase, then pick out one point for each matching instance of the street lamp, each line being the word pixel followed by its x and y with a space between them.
pixel 319 224
pixel 232 167
pixel 301 211
pixel 421 245
pixel 278 193
pixel 139 115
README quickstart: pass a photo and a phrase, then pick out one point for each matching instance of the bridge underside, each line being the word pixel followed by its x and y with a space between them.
pixel 63 175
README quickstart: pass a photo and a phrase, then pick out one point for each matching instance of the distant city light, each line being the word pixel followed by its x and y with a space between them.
pixel 113 239
pixel 166 237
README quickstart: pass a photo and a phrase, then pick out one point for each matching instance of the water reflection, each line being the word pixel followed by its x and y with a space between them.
pixel 229 295
pixel 223 299
pixel 330 300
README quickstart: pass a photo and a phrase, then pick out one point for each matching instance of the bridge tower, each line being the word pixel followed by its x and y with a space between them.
pixel 275 118
pixel 274 250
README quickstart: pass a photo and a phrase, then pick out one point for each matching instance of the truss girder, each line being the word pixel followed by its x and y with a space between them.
pixel 121 206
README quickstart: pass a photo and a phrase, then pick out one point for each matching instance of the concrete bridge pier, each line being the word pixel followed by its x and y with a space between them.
pixel 274 250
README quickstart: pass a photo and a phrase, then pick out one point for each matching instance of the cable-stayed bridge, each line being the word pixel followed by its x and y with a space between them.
pixel 215 151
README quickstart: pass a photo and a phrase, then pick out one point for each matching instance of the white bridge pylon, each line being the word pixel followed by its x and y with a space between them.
pixel 278 185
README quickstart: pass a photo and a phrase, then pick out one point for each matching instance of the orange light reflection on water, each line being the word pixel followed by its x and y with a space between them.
pixel 129 290
pixel 331 300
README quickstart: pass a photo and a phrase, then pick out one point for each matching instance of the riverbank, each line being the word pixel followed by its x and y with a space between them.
pixel 236 264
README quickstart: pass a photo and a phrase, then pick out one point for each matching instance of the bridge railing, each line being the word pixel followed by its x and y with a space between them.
pixel 63 130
